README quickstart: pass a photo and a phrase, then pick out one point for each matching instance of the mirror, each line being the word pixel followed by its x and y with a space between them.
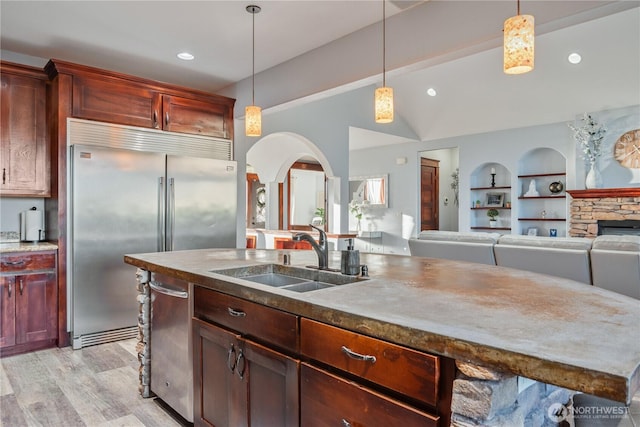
pixel 306 196
pixel 370 190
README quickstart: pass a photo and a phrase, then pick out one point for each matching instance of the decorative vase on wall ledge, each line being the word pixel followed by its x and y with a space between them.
pixel 594 179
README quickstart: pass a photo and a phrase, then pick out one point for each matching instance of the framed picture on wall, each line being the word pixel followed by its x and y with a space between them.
pixel 495 200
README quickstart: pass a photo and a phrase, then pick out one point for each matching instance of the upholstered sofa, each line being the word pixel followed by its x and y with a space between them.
pixel 615 263
pixel 460 246
pixel 610 262
pixel 566 257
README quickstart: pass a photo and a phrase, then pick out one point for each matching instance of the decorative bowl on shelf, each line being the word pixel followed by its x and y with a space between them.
pixel 556 187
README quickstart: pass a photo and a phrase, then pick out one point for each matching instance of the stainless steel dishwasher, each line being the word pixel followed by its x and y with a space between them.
pixel 171 365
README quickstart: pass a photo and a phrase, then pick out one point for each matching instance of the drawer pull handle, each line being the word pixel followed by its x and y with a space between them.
pixel 21 286
pixel 236 313
pixel 357 356
pixel 14 263
pixel 242 359
pixel 231 358
pixel 166 119
pixel 345 423
pixel 155 119
pixel 9 289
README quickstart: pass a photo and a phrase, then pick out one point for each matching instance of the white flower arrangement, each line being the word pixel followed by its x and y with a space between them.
pixel 589 136
pixel 356 209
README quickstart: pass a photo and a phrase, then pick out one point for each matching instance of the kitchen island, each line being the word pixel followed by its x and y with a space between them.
pixel 545 328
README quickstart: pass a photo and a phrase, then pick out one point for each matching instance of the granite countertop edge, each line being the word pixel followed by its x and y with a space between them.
pixel 27 247
pixel 619 382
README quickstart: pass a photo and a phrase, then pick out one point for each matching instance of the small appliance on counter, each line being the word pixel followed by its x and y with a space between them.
pixel 32 225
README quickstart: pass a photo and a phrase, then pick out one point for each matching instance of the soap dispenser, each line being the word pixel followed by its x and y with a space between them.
pixel 350 260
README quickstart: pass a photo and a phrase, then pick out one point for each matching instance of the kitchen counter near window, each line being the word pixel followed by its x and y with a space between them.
pixel 541 327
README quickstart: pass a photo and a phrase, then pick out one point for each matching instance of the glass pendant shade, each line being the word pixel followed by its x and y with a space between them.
pixel 384 105
pixel 518 44
pixel 253 120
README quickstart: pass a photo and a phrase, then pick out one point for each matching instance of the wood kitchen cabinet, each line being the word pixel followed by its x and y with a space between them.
pixel 24 144
pixel 238 382
pixel 328 400
pixel 242 376
pixel 29 302
pixel 113 98
pixel 349 371
pixel 257 365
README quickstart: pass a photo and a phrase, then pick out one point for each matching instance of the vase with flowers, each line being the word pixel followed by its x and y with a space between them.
pixel 589 136
pixel 356 209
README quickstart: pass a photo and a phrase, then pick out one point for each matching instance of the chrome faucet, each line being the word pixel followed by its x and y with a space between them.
pixel 320 247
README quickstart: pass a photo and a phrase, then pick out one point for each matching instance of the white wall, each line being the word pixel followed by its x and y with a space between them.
pixel 10 208
pixel 325 123
pixel 506 147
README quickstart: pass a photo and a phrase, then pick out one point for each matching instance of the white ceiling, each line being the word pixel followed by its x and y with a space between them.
pixel 305 48
pixel 143 37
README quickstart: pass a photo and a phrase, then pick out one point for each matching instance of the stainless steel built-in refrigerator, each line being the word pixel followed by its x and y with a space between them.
pixel 135 190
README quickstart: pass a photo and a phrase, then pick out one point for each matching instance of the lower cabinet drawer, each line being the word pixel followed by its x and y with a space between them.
pixel 265 324
pixel 27 261
pixel 328 400
pixel 409 372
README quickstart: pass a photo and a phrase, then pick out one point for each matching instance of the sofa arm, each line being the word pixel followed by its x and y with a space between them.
pixel 617 271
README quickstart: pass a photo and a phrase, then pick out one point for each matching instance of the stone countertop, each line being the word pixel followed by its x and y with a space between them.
pixel 27 247
pixel 541 327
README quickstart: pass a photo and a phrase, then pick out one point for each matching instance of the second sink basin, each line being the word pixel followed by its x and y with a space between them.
pixel 290 278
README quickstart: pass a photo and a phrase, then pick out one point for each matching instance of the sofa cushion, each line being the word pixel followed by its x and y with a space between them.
pixel 578 243
pixel 617 243
pixel 458 236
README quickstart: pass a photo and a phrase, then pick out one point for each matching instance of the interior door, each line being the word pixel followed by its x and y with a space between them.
pixel 429 194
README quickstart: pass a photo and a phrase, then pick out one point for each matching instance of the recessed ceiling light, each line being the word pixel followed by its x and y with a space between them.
pixel 574 58
pixel 186 56
pixel 431 92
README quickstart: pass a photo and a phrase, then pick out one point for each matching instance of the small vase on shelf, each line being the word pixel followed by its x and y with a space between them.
pixel 594 179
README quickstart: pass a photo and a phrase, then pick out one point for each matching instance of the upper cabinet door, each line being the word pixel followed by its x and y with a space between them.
pixel 187 115
pixel 25 150
pixel 109 100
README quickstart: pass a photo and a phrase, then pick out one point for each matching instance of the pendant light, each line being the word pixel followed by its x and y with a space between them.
pixel 253 113
pixel 384 94
pixel 518 43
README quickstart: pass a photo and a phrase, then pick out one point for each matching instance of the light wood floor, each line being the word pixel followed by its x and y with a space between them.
pixel 94 386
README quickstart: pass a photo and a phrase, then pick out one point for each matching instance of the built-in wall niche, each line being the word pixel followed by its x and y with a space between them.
pixel 490 193
pixel 542 202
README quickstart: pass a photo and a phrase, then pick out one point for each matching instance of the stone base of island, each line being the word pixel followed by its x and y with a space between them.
pixel 426 341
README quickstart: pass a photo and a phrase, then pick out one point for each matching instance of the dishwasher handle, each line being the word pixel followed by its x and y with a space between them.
pixel 166 291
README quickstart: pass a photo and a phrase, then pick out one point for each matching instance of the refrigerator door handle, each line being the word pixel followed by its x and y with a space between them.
pixel 171 212
pixel 161 211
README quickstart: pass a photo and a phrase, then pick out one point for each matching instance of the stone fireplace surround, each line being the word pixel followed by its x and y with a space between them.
pixel 590 206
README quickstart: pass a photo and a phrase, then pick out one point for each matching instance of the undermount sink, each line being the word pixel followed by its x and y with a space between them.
pixel 291 278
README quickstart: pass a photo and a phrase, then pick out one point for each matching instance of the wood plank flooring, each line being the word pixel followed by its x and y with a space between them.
pixel 94 386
